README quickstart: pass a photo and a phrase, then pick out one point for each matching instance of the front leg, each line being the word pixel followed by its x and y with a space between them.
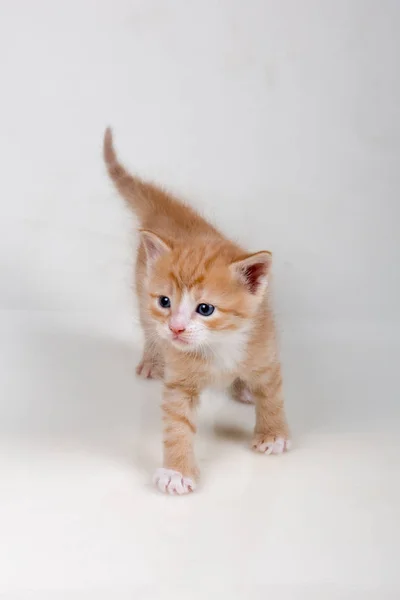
pixel 179 472
pixel 152 364
pixel 271 434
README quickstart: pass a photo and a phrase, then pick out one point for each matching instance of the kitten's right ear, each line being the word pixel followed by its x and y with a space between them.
pixel 154 246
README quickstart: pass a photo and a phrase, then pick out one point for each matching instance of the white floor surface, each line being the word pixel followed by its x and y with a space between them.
pixel 78 513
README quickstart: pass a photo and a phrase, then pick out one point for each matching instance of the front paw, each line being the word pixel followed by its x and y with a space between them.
pixel 270 444
pixel 173 482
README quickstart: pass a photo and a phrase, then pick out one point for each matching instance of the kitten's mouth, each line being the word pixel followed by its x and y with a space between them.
pixel 179 341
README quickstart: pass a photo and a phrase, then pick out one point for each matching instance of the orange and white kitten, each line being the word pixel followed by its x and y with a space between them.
pixel 206 320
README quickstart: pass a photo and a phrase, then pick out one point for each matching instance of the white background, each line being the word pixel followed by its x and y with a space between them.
pixel 281 122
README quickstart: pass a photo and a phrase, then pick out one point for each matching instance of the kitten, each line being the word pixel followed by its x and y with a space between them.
pixel 206 320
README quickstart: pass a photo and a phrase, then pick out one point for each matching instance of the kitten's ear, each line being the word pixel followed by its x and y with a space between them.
pixel 252 271
pixel 154 246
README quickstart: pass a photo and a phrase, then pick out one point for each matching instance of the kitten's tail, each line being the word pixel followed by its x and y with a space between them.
pixel 136 193
pixel 148 200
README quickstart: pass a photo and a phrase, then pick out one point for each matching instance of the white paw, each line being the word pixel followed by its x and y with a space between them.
pixel 270 445
pixel 173 482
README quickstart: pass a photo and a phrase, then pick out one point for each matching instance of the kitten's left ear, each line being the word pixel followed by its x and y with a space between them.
pixel 253 270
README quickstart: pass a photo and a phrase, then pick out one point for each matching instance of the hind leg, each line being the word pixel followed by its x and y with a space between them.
pixel 241 392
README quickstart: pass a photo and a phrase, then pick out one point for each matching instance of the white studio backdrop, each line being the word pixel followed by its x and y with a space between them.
pixel 280 121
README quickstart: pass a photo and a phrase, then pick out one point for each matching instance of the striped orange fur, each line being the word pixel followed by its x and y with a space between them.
pixel 206 318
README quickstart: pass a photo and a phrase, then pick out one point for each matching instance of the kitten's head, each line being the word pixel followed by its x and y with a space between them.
pixel 202 295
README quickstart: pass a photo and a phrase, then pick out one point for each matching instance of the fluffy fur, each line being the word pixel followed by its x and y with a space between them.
pixel 185 260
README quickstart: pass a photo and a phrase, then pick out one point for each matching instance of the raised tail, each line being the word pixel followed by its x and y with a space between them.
pixel 153 206
pixel 138 194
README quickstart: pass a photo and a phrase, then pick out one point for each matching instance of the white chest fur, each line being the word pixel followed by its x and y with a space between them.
pixel 229 352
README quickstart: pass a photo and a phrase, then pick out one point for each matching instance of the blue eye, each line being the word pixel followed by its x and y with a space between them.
pixel 205 310
pixel 164 302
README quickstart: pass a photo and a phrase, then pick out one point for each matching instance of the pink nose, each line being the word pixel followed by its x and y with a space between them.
pixel 177 329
